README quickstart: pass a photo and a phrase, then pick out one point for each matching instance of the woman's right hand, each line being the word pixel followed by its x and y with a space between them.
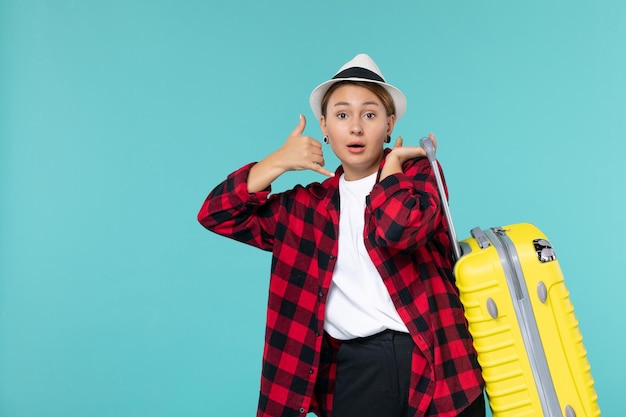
pixel 299 152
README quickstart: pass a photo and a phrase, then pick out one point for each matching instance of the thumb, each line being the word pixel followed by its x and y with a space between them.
pixel 398 143
pixel 300 127
pixel 431 135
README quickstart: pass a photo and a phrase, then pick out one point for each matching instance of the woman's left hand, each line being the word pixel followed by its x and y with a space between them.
pixel 404 153
pixel 400 154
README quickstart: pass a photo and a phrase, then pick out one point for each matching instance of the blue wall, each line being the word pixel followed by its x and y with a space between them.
pixel 118 117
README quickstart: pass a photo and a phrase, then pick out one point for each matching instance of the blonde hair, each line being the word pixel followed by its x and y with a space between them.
pixel 380 91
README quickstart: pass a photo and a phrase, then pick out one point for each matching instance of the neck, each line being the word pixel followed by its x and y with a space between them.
pixel 353 173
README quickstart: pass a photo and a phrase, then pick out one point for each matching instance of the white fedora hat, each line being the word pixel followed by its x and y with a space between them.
pixel 359 68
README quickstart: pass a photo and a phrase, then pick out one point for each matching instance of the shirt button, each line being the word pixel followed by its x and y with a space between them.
pixel 321 293
pixel 311 371
pixel 302 410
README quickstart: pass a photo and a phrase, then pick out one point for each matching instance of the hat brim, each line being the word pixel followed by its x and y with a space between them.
pixel 317 95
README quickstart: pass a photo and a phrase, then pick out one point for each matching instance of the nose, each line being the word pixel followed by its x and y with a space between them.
pixel 356 128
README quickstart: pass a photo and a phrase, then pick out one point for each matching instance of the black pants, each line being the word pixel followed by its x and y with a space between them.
pixel 373 378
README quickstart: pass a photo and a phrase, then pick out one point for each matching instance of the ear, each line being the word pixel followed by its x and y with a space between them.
pixel 323 124
pixel 391 122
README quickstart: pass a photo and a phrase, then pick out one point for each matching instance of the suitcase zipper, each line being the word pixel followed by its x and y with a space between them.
pixel 517 285
pixel 526 320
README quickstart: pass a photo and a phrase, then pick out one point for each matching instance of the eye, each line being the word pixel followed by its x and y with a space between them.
pixel 370 115
pixel 342 115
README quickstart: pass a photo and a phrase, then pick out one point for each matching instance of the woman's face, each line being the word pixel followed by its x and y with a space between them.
pixel 357 125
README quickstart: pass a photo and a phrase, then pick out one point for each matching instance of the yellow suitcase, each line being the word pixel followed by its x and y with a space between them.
pixel 520 316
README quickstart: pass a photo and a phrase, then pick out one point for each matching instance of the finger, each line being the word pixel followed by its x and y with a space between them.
pixel 431 135
pixel 317 150
pixel 318 158
pixel 398 143
pixel 300 127
pixel 319 168
pixel 315 144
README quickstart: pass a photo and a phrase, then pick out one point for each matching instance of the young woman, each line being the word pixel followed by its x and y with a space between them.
pixel 363 316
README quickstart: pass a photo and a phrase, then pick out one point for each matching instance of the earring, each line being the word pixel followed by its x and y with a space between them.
pixel 326 140
pixel 388 139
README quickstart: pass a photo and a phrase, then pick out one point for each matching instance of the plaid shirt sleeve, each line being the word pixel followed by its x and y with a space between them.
pixel 405 207
pixel 231 211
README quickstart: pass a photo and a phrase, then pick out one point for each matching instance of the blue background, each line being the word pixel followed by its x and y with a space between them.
pixel 118 117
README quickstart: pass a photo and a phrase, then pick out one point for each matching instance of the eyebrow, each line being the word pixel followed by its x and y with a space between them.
pixel 345 103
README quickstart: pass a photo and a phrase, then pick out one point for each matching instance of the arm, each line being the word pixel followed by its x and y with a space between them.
pixel 404 205
pixel 230 210
pixel 241 208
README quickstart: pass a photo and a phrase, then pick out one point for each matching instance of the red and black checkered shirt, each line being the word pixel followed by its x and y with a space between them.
pixel 406 238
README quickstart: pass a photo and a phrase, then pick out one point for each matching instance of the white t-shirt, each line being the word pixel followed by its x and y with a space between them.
pixel 358 303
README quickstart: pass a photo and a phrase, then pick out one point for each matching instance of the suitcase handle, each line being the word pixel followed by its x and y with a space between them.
pixel 481 238
pixel 429 148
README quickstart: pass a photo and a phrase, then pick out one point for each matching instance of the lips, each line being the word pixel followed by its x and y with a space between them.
pixel 356 147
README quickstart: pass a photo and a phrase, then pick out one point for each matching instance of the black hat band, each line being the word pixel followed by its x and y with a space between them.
pixel 358 72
